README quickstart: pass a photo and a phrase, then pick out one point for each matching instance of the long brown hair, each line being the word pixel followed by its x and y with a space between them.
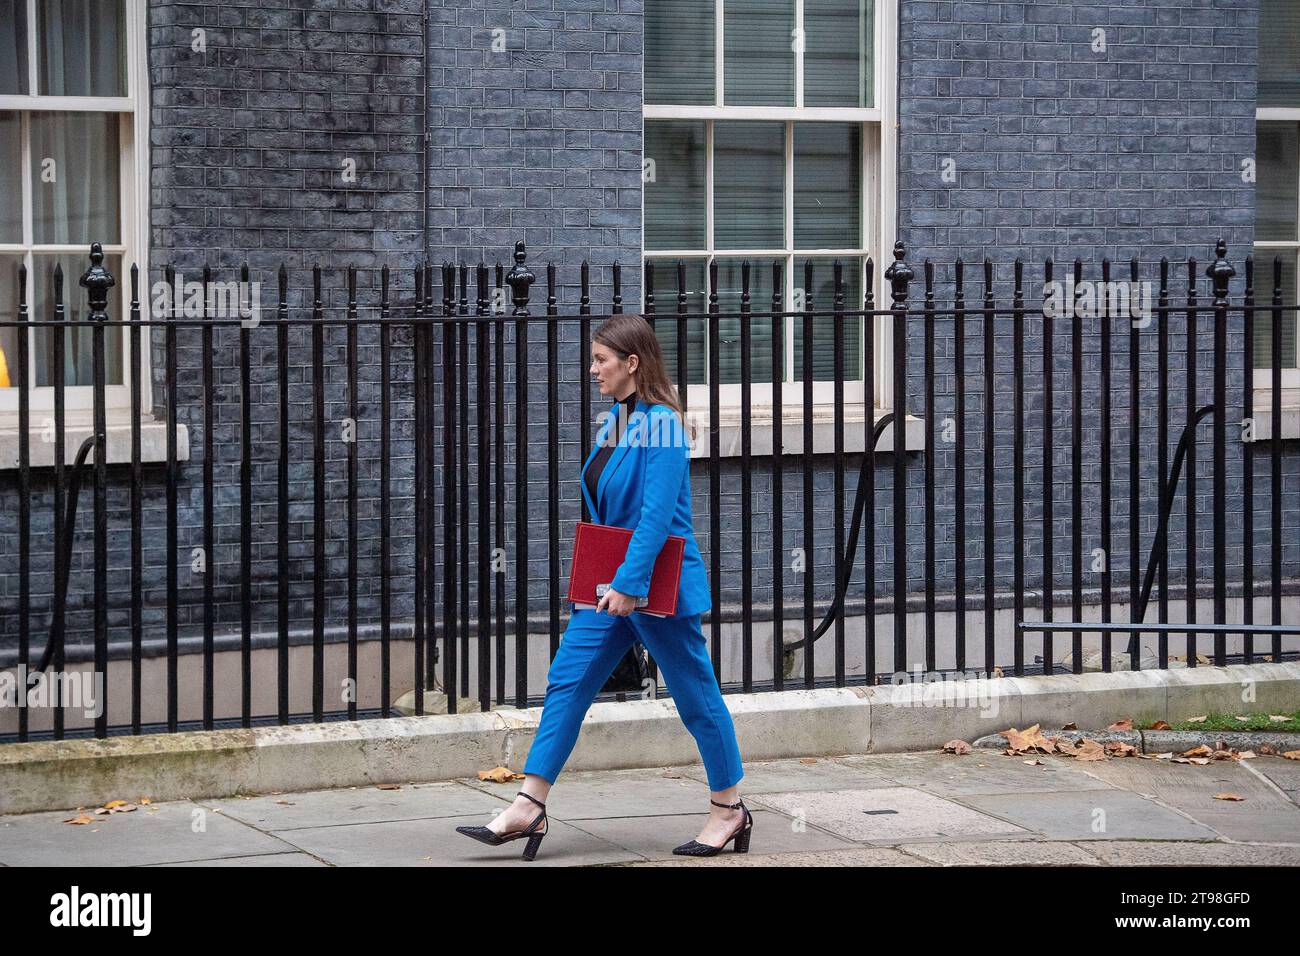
pixel 630 334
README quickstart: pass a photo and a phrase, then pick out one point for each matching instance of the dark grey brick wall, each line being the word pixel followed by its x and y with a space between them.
pixel 249 140
pixel 535 135
pixel 1058 150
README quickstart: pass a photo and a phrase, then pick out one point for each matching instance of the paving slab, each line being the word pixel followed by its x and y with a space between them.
pixel 974 773
pixel 917 809
pixel 773 833
pixel 266 859
pixel 858 856
pixel 1284 773
pixel 891 814
pixel 1160 853
pixel 436 843
pixel 1091 815
pixel 807 773
pixel 1002 853
pixel 158 833
pixel 358 805
pixel 1264 815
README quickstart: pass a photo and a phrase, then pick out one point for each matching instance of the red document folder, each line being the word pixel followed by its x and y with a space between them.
pixel 599 549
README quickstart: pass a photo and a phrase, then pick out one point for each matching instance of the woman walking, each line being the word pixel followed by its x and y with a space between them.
pixel 637 477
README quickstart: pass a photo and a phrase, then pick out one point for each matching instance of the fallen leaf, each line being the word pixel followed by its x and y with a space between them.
pixel 1198 720
pixel 959 747
pixel 1239 717
pixel 1020 741
pixel 1071 726
pixel 144 801
pixel 1228 796
pixel 499 775
pixel 113 803
pixel 1268 749
pixel 1117 748
pixel 1124 724
pixel 1278 717
pixel 1033 763
pixel 807 759
pixel 1292 755
pixel 1159 725
pixel 1089 749
pixel 80 819
pixel 1200 751
pixel 388 786
pixel 286 803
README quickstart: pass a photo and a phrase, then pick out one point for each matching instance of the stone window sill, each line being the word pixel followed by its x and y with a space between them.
pixel 823 429
pixel 1263 401
pixel 78 427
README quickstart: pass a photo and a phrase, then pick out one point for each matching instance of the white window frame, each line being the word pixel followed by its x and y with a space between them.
pixel 134 217
pixel 878 216
pixel 1262 383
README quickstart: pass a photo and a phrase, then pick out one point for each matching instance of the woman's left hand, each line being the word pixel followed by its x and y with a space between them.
pixel 616 602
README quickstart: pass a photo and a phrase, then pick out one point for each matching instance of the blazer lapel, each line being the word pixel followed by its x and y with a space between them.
pixel 620 451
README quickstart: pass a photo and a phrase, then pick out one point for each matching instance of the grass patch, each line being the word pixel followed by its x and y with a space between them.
pixel 1257 721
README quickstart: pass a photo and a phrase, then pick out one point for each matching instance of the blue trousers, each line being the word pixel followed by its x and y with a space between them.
pixel 592 646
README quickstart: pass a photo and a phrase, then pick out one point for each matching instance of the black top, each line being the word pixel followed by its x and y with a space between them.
pixel 607 449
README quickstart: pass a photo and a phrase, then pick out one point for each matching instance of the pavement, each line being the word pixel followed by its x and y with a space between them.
pixel 898 809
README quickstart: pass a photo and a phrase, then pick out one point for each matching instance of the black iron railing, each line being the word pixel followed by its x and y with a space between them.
pixel 429 498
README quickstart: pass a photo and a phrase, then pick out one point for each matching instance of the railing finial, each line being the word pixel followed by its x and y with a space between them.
pixel 519 279
pixel 1220 270
pixel 899 274
pixel 97 281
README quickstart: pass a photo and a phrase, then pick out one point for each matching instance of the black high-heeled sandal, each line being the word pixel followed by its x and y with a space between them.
pixel 741 835
pixel 486 835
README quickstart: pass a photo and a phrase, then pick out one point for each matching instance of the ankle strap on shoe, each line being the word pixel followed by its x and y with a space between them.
pixel 532 798
pixel 730 806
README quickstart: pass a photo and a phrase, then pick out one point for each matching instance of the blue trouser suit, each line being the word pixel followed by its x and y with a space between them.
pixel 593 644
pixel 644 485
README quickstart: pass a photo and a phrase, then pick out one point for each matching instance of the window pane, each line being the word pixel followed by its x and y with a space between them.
pixel 82 48
pixel 665 318
pixel 11 186
pixel 674 188
pixel 838 61
pixel 75 178
pixel 9 372
pixel 13 46
pixel 758 52
pixel 1277 155
pixel 77 343
pixel 827 186
pixel 730 287
pixel 1279 53
pixel 679 45
pixel 823 326
pixel 1264 316
pixel 748 185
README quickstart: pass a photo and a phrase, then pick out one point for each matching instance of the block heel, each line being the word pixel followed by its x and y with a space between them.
pixel 485 834
pixel 741 835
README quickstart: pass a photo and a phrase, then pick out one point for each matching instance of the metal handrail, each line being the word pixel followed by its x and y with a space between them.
pixel 859 503
pixel 65 547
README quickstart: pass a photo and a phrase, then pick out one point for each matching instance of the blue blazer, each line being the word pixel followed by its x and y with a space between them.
pixel 646 486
